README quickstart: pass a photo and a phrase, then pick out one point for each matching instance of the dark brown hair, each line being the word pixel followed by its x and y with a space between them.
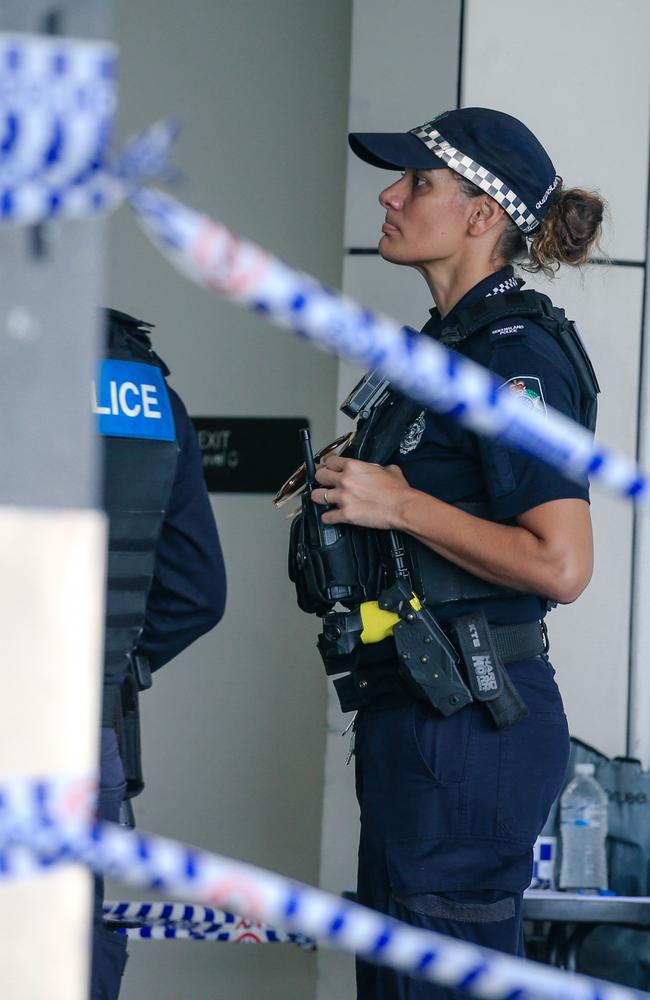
pixel 566 234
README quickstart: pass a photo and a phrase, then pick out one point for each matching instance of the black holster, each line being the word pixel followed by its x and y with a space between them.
pixel 322 573
pixel 137 679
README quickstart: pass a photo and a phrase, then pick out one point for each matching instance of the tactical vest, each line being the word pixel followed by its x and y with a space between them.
pixel 140 453
pixel 539 308
pixel 435 579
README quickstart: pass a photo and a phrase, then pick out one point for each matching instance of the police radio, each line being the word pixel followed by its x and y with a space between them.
pixel 323 560
pixel 325 535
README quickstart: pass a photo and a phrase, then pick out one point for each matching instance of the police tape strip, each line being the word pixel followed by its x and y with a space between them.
pixel 209 254
pixel 57 106
pixel 45 823
pixel 175 921
pixel 58 102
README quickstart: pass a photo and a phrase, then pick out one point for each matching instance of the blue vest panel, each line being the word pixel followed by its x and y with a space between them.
pixel 131 400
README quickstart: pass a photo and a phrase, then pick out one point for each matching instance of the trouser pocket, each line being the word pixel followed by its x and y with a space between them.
pixel 442 865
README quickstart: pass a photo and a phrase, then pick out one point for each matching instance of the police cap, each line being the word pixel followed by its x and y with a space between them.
pixel 493 150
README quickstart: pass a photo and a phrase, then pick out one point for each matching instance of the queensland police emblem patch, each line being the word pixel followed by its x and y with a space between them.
pixel 413 435
pixel 528 390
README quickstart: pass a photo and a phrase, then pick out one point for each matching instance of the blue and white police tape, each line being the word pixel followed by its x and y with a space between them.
pixel 49 820
pixel 176 921
pixel 209 254
pixel 57 106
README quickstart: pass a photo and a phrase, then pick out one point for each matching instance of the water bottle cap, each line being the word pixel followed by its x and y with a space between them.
pixel 585 769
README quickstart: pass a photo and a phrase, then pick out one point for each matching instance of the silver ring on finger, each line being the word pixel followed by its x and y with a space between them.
pixel 325 496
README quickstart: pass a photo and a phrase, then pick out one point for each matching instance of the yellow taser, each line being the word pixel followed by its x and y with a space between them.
pixel 379 624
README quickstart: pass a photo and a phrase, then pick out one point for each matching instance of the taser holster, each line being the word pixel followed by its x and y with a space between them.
pixel 426 657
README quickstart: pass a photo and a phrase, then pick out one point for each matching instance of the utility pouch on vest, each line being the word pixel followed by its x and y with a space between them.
pixel 488 679
pixel 322 561
pixel 322 573
pixel 427 659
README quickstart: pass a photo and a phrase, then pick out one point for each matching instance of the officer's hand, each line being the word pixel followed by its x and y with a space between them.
pixel 360 492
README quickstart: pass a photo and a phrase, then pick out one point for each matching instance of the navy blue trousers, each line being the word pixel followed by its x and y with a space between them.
pixel 108 948
pixel 450 809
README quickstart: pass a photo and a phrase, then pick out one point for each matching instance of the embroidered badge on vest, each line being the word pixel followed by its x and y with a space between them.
pixel 413 435
pixel 528 389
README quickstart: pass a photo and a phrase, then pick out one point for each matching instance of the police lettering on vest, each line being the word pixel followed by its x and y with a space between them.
pixel 131 400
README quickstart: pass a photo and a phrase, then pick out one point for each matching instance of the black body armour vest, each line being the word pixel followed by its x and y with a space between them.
pixel 140 455
pixel 436 579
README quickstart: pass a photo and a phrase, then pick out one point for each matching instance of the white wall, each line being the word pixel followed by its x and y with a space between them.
pixel 577 73
pixel 234 729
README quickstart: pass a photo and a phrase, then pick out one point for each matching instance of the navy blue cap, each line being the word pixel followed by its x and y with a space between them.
pixel 490 148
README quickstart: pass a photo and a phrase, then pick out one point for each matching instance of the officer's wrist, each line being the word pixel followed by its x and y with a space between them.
pixel 404 514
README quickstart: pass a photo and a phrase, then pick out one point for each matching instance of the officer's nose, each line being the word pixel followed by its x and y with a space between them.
pixel 393 196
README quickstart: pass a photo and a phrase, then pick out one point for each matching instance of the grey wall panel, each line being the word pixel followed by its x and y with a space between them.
pixel 404 71
pixel 578 74
pixel 77 18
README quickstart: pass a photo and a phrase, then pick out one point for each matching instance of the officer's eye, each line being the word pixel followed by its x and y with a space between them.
pixel 419 181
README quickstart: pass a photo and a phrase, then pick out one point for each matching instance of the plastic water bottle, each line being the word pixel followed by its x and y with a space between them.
pixel 583 828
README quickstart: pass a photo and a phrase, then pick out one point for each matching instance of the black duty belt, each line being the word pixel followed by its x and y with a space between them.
pixel 381 683
pixel 519 642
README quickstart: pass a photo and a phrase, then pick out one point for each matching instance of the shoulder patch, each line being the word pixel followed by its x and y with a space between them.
pixel 507 331
pixel 528 389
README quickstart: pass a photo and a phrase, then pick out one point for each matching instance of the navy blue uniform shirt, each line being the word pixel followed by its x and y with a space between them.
pixel 441 457
pixel 188 592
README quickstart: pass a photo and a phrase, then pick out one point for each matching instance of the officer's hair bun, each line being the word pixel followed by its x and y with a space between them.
pixel 566 234
pixel 568 231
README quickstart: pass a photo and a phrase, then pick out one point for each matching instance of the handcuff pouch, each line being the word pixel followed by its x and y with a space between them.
pixel 487 678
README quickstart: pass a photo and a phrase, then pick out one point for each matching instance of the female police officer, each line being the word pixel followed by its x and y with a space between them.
pixel 450 806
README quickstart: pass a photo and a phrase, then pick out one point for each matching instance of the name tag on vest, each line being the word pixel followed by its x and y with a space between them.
pixel 131 400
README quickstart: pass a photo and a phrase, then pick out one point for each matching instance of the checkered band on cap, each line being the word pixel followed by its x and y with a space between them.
pixel 474 172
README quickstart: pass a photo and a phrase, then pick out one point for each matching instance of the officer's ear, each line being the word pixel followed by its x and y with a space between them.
pixel 485 214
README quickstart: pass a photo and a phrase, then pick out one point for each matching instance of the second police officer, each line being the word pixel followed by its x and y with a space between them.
pixel 166 582
pixel 452 803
